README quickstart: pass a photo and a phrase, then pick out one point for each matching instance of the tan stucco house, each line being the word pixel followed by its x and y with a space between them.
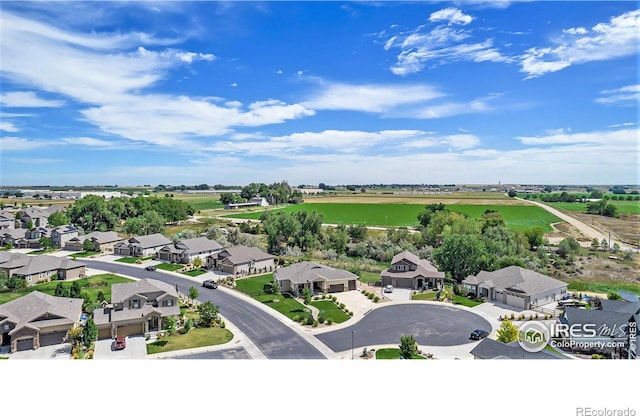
pixel 409 271
pixel 317 277
pixel 241 261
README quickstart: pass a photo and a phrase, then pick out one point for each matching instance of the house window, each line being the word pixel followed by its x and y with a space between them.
pixel 135 304
pixel 168 302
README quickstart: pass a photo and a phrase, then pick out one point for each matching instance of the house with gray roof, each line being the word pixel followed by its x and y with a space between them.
pixel 141 246
pixel 60 235
pixel 9 262
pixel 409 271
pixel 608 331
pixel 185 251
pixel 241 261
pixel 39 217
pixel 102 241
pixel 516 286
pixel 11 236
pixel 490 349
pixel 32 238
pixel 36 269
pixel 37 320
pixel 7 220
pixel 137 308
pixel 317 277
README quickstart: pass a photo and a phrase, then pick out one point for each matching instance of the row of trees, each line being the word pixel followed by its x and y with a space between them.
pixel 276 193
pixel 144 215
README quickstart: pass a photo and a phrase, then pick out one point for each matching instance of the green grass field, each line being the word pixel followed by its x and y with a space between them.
pixel 171 267
pixel 194 273
pixel 286 305
pixel 516 217
pixel 91 285
pixel 128 260
pixel 200 202
pixel 624 207
pixel 250 285
pixel 393 354
pixel 329 310
pixel 604 287
pixel 197 337
pixel 369 277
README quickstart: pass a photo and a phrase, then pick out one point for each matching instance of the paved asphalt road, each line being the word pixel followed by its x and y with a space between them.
pixel 430 324
pixel 237 353
pixel 272 337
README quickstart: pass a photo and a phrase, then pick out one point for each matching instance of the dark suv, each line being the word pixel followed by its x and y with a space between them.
pixel 150 268
pixel 479 334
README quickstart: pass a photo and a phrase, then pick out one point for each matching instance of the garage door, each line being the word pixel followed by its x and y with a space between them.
pixel 352 285
pixel 125 331
pixel 404 283
pixel 104 333
pixel 336 288
pixel 52 338
pixel 515 301
pixel 25 344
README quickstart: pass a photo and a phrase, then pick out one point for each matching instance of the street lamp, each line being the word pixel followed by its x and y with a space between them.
pixel 352 356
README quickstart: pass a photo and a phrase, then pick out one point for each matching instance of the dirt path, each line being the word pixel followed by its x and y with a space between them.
pixel 588 231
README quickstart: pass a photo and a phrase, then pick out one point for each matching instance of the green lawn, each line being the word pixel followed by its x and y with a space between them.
pixel 44 251
pixel 128 260
pixel 393 354
pixel 329 310
pixel 604 287
pixel 197 337
pixel 369 277
pixel 254 285
pixel 285 304
pixel 91 285
pixel 194 273
pixel 83 254
pixel 188 312
pixel 171 267
pixel 516 217
pixel 424 296
pixel 465 301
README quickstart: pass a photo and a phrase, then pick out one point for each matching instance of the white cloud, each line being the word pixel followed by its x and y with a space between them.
pixel 375 98
pixel 189 57
pixel 449 109
pixel 6 126
pixel 629 94
pixel 627 124
pixel 626 136
pixel 233 84
pixel 8 143
pixel 279 72
pixel 27 99
pixel 451 15
pixel 87 141
pixel 614 39
pixel 462 141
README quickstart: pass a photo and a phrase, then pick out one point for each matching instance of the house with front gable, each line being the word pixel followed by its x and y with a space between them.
pixel 318 278
pixel 11 236
pixel 185 251
pixel 409 271
pixel 32 238
pixel 7 220
pixel 35 269
pixel 241 261
pixel 37 320
pixel 60 235
pixel 137 308
pixel 141 246
pixel 102 241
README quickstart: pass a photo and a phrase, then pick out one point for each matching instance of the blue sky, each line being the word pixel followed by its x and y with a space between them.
pixel 367 92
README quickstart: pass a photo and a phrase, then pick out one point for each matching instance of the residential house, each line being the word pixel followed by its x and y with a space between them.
pixel 7 220
pixel 241 261
pixel 35 269
pixel 32 238
pixel 102 241
pixel 12 235
pixel 38 216
pixel 605 331
pixel 490 349
pixel 142 246
pixel 409 271
pixel 254 202
pixel 60 235
pixel 37 320
pixel 185 251
pixel 137 308
pixel 317 277
pixel 517 287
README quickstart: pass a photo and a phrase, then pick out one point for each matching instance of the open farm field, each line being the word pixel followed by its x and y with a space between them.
pixel 473 198
pixel 200 202
pixel 516 217
pixel 624 207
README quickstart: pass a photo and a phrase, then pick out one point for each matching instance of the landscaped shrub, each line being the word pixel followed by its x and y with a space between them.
pixel 329 321
pixel 370 295
pixel 223 325
pixel 350 313
pixel 513 316
pixel 341 306
pixel 315 323
pixel 324 296
pixel 296 318
pixel 376 299
pixel 310 320
pixel 334 298
pixel 316 298
pixel 345 310
pixel 521 317
pixel 321 319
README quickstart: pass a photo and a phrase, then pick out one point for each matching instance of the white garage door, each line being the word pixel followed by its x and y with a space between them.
pixel 515 301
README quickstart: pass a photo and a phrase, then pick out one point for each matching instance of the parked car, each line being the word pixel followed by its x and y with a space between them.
pixel 210 284
pixel 479 334
pixel 150 268
pixel 388 289
pixel 120 343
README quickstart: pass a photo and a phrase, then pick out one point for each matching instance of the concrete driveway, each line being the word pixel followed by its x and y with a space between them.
pixel 398 295
pixel 136 349
pixel 58 352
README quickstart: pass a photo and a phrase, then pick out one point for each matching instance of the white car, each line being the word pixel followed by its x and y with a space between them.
pixel 388 289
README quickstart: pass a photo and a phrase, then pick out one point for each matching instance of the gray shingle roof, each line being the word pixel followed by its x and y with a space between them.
pixel 123 291
pixel 15 233
pixel 310 272
pixel 102 237
pixel 65 229
pixel 603 320
pixel 241 254
pixel 490 349
pixel 516 279
pixel 149 241
pixel 199 245
pixel 42 263
pixel 25 310
pixel 423 267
